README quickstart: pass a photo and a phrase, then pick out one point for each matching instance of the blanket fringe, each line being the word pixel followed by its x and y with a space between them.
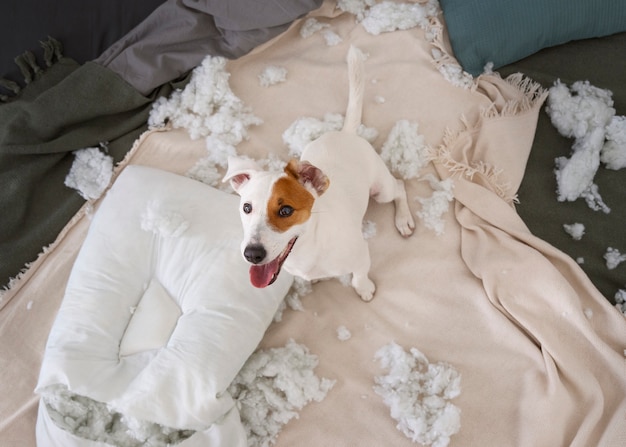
pixel 488 174
pixel 532 94
pixel 30 68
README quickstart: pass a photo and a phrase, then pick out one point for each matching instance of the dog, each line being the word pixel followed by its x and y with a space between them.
pixel 308 218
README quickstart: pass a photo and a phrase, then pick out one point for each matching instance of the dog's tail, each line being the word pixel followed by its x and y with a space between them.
pixel 356 68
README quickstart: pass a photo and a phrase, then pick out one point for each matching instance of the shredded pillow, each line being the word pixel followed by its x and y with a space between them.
pixel 157 319
pixel 504 31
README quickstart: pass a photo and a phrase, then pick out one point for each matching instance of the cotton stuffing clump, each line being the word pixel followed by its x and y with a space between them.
pixel 163 222
pixel 575 230
pixel 418 393
pixel 206 106
pixel 435 206
pixel 95 421
pixel 312 26
pixel 613 258
pixel 613 153
pixel 307 129
pixel 356 7
pixel 585 112
pixel 390 16
pixel 272 387
pixel 620 302
pixel 404 151
pixel 272 75
pixel 91 172
pixel 577 110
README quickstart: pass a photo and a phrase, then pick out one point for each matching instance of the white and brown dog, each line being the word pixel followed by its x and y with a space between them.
pixel 308 218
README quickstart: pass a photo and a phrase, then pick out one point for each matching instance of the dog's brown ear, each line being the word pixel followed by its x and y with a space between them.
pixel 240 169
pixel 306 173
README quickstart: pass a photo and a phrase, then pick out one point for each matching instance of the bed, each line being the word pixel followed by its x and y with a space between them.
pixel 491 311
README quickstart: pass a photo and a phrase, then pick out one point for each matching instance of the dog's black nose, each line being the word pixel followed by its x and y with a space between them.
pixel 254 253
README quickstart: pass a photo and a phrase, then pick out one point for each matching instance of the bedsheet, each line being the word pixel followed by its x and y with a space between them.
pixel 537 347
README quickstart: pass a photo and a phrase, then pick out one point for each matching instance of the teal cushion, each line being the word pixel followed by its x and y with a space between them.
pixel 505 31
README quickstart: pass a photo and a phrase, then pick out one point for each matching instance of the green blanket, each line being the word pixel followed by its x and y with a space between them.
pixel 64 108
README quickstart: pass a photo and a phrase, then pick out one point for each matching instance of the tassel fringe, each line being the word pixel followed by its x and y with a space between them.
pixel 30 69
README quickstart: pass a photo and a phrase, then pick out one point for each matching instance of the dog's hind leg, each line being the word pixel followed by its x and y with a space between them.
pixel 361 282
pixel 387 189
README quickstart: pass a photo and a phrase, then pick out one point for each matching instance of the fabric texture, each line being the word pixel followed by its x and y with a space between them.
pixel 538 205
pixel 502 32
pixel 66 108
pixel 159 299
pixel 157 51
pixel 538 348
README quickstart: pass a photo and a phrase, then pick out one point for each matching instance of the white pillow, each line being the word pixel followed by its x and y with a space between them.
pixel 159 314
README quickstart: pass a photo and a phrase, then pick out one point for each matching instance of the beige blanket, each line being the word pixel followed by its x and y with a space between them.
pixel 540 351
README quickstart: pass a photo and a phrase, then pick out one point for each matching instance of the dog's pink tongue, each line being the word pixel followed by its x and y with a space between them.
pixel 261 275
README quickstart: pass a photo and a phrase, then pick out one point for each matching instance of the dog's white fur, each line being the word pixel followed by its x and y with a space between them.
pixel 330 242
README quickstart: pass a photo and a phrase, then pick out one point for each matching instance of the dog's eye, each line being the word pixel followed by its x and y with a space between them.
pixel 247 208
pixel 285 211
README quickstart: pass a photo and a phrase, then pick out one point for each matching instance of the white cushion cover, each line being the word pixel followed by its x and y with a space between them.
pixel 159 314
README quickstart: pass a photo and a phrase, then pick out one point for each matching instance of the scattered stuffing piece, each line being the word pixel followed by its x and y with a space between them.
pixel 90 173
pixel 450 69
pixel 272 387
pixel 435 206
pixel 311 26
pixel 331 38
pixel 272 75
pixel 488 68
pixel 369 229
pixel 389 16
pixel 576 230
pixel 163 222
pixel 620 301
pixel 588 313
pixel 304 130
pixel 613 153
pixel 273 163
pixel 405 152
pixel 586 113
pixel 356 7
pixel 379 100
pixel 613 258
pixel 580 260
pixel 29 305
pixel 577 110
pixel 207 108
pixel 343 334
pixel 299 288
pixel 93 420
pixel 418 393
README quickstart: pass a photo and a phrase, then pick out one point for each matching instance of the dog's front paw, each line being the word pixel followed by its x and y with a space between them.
pixel 405 224
pixel 365 288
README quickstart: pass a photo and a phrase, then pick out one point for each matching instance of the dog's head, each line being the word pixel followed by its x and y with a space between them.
pixel 275 208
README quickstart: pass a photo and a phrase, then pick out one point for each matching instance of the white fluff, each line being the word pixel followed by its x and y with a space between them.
pixel 312 26
pixel 405 151
pixel 575 230
pixel 91 172
pixel 300 288
pixel 585 113
pixel 93 420
pixel 435 206
pixel 356 7
pixel 305 130
pixel 331 38
pixel 272 387
pixel 418 393
pixel 272 75
pixel 343 333
pixel 163 222
pixel 613 153
pixel 390 16
pixel 613 258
